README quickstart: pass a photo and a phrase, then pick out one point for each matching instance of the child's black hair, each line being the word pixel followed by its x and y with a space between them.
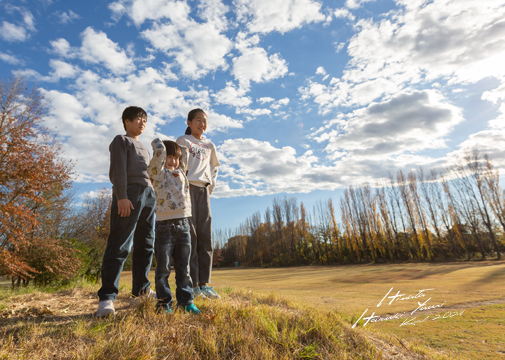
pixel 191 116
pixel 131 112
pixel 173 149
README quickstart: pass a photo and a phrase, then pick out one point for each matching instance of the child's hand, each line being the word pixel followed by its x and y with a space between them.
pixel 124 207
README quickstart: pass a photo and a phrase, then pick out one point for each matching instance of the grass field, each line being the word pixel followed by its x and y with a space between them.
pixel 474 289
pixel 277 313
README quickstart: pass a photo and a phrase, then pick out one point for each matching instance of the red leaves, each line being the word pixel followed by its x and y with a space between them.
pixel 31 171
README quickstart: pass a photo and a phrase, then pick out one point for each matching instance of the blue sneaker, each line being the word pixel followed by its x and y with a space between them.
pixel 192 309
pixel 209 292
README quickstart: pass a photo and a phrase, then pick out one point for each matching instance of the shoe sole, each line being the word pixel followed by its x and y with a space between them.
pixel 212 297
pixel 110 313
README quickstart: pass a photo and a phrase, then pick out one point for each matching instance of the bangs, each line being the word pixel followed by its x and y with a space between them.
pixel 173 149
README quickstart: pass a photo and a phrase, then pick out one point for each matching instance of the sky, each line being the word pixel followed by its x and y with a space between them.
pixel 304 98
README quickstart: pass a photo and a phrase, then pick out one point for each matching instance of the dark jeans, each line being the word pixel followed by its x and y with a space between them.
pixel 173 239
pixel 201 235
pixel 137 229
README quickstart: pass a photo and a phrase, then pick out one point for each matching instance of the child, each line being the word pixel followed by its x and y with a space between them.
pixel 202 174
pixel 173 208
pixel 132 213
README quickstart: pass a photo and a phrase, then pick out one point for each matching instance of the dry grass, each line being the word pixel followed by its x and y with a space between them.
pixel 245 325
pixel 475 287
pixel 286 313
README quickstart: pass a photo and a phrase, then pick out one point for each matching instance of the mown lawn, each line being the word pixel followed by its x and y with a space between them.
pixel 477 288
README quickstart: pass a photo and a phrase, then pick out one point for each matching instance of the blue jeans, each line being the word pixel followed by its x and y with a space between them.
pixel 135 230
pixel 173 239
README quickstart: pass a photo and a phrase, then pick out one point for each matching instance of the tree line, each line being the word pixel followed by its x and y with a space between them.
pixel 457 213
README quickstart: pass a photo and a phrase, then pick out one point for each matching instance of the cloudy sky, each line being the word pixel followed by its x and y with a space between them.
pixel 303 97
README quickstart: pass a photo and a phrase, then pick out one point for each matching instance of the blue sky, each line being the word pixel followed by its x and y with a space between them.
pixel 303 97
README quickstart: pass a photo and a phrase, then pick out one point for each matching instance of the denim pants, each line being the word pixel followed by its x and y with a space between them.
pixel 201 235
pixel 173 240
pixel 135 230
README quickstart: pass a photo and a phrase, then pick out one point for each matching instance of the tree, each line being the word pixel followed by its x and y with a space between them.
pixel 32 173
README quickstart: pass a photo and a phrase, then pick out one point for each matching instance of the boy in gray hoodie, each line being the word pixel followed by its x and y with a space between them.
pixel 132 213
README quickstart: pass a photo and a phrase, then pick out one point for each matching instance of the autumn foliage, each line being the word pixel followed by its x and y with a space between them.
pixel 33 176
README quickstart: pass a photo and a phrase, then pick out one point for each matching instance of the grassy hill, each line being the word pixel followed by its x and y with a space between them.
pixel 242 325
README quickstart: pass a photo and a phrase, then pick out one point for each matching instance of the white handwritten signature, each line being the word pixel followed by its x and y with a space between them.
pixel 422 306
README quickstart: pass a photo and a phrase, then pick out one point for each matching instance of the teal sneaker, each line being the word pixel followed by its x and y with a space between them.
pixel 164 310
pixel 192 309
pixel 209 292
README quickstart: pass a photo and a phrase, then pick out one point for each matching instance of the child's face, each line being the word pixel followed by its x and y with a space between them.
pixel 172 162
pixel 135 127
pixel 198 125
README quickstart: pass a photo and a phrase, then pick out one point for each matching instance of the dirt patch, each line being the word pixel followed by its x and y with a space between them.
pixel 58 307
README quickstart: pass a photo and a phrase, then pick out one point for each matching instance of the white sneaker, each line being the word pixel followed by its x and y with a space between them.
pixel 105 308
pixel 209 292
pixel 134 301
pixel 198 292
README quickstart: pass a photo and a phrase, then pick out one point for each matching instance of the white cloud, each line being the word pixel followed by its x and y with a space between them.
pixel 219 122
pixel 254 64
pixel 62 48
pixel 320 71
pixel 409 122
pixel 263 16
pixel 197 47
pixel 259 168
pixel 142 10
pixel 344 13
pixel 264 100
pixel 495 95
pixel 339 46
pixel 28 19
pixel 10 59
pixel 95 194
pixel 62 69
pixel 11 32
pixel 490 141
pixel 66 17
pixel 279 103
pixel 354 4
pixel 82 137
pixel 17 32
pixel 253 112
pixel 98 48
pixel 419 43
pixel 231 95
